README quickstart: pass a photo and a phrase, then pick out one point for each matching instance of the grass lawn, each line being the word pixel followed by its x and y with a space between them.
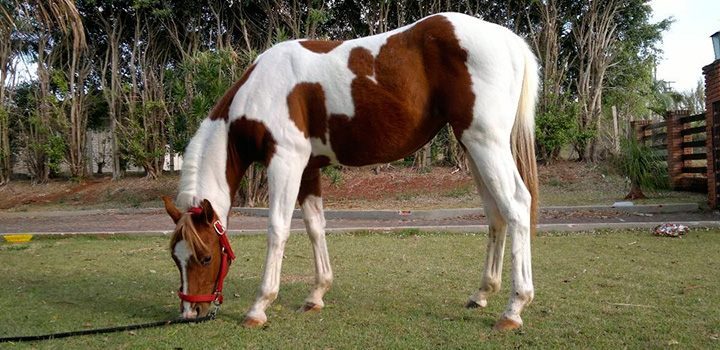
pixel 620 289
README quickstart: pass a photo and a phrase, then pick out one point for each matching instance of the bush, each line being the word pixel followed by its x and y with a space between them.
pixel 334 173
pixel 555 126
pixel 644 168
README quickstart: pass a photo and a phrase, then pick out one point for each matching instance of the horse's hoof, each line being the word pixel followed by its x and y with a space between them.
pixel 250 322
pixel 310 307
pixel 506 324
pixel 472 304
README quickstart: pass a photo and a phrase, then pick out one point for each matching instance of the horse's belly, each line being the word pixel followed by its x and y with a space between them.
pixel 357 142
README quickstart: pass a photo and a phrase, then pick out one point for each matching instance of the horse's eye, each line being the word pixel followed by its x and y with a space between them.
pixel 206 260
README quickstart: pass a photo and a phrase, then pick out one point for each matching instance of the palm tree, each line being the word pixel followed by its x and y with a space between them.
pixel 41 25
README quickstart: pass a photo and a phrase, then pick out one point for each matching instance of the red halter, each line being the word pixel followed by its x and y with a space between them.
pixel 227 257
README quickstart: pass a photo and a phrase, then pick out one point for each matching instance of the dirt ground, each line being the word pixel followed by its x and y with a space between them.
pixel 562 183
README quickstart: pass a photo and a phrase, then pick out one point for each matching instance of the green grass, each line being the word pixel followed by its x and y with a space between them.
pixel 606 193
pixel 622 289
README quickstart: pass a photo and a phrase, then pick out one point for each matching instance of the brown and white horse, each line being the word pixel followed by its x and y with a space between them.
pixel 305 104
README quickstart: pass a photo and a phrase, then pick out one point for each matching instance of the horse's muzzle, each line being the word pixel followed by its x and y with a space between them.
pixel 197 310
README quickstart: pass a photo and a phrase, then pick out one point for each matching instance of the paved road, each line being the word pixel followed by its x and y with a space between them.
pixel 155 221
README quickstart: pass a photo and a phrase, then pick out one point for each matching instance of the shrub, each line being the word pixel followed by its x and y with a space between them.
pixel 645 168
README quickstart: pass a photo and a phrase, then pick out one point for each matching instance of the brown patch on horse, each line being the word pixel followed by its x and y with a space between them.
pixel 361 62
pixel 320 46
pixel 309 184
pixel 418 82
pixel 249 141
pixel 306 103
pixel 222 107
pixel 421 82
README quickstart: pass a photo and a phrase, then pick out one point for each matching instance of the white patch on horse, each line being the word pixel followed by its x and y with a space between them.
pixel 182 253
pixel 320 148
pixel 491 57
pixel 203 170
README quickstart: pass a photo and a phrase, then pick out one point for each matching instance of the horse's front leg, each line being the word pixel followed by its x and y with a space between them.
pixel 284 174
pixel 312 207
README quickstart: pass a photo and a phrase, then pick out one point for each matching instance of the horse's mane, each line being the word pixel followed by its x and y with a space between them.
pixel 190 168
pixel 204 163
pixel 186 231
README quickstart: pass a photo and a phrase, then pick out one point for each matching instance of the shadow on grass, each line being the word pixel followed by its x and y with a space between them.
pixel 81 301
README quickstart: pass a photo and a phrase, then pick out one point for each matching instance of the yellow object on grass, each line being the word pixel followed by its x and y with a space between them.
pixel 18 238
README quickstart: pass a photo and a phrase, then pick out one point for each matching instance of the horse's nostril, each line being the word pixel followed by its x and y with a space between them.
pixel 197 311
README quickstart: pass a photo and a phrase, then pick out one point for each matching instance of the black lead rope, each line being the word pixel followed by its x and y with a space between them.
pixel 104 330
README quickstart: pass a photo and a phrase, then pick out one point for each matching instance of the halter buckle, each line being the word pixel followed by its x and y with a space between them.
pixel 219 228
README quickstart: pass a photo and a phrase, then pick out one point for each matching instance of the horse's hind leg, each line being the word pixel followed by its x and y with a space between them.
pixel 284 174
pixel 492 273
pixel 495 164
pixel 314 217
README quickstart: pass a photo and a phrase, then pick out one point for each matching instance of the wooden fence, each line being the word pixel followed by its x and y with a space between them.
pixel 681 139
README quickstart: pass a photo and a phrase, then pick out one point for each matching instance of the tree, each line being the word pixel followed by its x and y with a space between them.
pixel 595 39
pixel 694 100
pixel 617 48
pixel 556 124
pixel 73 71
pixel 8 53
pixel 45 24
pixel 110 18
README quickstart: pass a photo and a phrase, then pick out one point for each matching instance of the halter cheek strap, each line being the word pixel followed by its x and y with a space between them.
pixel 227 257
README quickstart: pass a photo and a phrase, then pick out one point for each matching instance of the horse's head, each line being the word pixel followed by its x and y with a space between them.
pixel 201 256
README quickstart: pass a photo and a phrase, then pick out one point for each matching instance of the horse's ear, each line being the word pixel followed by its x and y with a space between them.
pixel 207 211
pixel 171 209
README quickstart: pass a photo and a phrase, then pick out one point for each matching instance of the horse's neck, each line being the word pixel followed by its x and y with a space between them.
pixel 204 169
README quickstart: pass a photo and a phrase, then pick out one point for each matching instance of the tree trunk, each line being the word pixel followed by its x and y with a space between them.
pixel 6 54
pixel 112 90
pixel 78 71
pixel 39 167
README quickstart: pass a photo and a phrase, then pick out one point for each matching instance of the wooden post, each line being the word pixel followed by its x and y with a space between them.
pixel 674 147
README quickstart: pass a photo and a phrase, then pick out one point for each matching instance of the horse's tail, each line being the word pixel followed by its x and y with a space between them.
pixel 522 137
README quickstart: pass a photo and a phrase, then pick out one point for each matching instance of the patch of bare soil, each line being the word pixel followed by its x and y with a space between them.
pixel 400 188
pixel 564 182
pixel 99 192
pixel 572 172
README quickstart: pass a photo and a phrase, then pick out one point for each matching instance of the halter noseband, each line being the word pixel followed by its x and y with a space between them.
pixel 227 257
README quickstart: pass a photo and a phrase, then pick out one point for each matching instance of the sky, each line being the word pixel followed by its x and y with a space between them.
pixel 687 45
